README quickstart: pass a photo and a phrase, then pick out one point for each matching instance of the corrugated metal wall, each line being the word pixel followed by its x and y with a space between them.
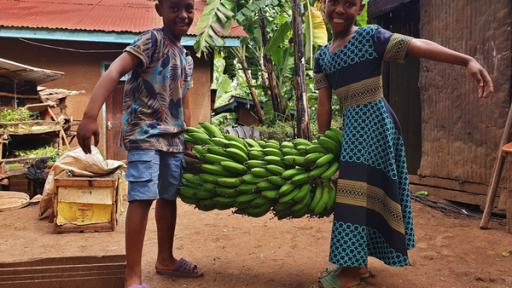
pixel 460 132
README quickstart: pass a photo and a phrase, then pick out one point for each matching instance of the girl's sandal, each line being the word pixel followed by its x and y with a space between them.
pixel 336 269
pixel 330 280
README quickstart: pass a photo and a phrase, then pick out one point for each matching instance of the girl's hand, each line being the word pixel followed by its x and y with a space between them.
pixel 477 72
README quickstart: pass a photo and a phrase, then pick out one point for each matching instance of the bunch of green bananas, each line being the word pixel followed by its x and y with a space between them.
pixel 292 179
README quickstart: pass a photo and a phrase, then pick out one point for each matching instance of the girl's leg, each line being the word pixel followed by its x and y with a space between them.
pixel 136 220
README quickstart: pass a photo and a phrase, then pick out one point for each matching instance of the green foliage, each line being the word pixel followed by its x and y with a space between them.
pixel 48 151
pixel 278 130
pixel 15 115
pixel 214 23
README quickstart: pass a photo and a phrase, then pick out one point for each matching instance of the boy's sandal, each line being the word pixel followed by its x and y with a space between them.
pixel 182 269
pixel 332 281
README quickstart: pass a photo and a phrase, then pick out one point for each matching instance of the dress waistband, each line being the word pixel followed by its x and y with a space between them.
pixel 362 92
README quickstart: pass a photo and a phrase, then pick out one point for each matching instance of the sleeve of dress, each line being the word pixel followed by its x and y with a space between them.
pixel 143 47
pixel 320 81
pixel 391 47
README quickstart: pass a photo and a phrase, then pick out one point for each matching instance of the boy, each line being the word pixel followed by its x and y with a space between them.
pixel 153 121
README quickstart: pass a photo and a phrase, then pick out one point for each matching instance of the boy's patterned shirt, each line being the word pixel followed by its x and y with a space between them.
pixel 153 94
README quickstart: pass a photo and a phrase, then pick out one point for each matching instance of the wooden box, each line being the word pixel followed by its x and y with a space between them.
pixel 84 204
pixel 65 272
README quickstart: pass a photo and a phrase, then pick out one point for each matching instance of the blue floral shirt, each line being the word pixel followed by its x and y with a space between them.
pixel 153 94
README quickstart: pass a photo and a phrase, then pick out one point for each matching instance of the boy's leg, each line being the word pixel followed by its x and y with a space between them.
pixel 165 215
pixel 136 220
pixel 142 177
pixel 171 165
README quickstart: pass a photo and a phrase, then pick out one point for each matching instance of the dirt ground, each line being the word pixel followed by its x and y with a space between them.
pixel 238 251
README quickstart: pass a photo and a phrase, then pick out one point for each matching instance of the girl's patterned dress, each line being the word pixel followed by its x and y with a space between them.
pixel 372 215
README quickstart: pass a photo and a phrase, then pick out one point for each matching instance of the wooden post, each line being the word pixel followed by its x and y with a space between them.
pixel 496 175
pixel 302 116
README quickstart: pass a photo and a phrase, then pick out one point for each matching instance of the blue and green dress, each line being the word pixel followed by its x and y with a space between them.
pixel 373 215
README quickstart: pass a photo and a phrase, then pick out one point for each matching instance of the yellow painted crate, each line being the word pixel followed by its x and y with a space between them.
pixel 84 204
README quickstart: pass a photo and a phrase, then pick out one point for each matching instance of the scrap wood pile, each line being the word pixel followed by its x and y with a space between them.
pixel 289 179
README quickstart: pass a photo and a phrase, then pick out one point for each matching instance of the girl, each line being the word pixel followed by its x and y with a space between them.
pixel 372 214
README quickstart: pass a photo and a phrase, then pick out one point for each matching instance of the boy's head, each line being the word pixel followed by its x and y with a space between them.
pixel 341 14
pixel 177 15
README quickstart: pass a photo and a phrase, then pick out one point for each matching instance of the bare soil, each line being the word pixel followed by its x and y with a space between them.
pixel 237 251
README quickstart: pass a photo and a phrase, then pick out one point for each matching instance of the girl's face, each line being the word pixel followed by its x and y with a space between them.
pixel 341 14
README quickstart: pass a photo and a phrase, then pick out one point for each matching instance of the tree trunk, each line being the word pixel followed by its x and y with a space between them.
pixel 268 65
pixel 301 101
pixel 252 91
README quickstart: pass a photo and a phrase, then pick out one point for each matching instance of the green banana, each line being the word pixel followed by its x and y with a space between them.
pixel 188 200
pixel 324 160
pixel 247 188
pixel 265 185
pixel 237 155
pixel 252 143
pixel 331 171
pixel 223 203
pixel 231 137
pixel 220 142
pixel 206 205
pixel 257 211
pixel 316 149
pixel 335 135
pixel 289 174
pixel 287 145
pixel 204 195
pixel 301 142
pixel 270 194
pixel 300 179
pixel 217 151
pixel 250 178
pixel 256 155
pixel 236 145
pixel 214 169
pixel 322 203
pixel 229 182
pixel 274 160
pixel 310 159
pixel 211 130
pixel 302 205
pixel 259 201
pixel 187 191
pixel 214 159
pixel 289 198
pixel 234 167
pixel 330 201
pixel 316 198
pixel 304 191
pixel 209 178
pixel 318 171
pixel 194 130
pixel 255 164
pixel 227 192
pixel 272 152
pixel 329 145
pixel 274 169
pixel 199 138
pixel 191 178
pixel 286 188
pixel 244 199
pixel 260 172
pixel 199 151
pixel 290 152
pixel 270 145
pixel 276 180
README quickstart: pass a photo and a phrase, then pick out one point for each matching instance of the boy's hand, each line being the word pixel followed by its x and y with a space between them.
pixel 477 72
pixel 88 128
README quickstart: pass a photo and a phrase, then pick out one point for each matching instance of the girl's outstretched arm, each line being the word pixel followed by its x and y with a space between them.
pixel 324 109
pixel 430 50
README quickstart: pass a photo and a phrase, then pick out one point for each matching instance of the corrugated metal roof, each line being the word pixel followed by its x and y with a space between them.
pixel 16 71
pixel 90 15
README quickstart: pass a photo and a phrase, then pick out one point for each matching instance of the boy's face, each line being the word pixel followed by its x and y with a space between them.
pixel 341 14
pixel 177 15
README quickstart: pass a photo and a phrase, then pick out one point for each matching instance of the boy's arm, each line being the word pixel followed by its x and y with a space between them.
pixel 430 50
pixel 324 109
pixel 88 126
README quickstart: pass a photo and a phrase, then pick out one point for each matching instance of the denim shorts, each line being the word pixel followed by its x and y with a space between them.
pixel 153 174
